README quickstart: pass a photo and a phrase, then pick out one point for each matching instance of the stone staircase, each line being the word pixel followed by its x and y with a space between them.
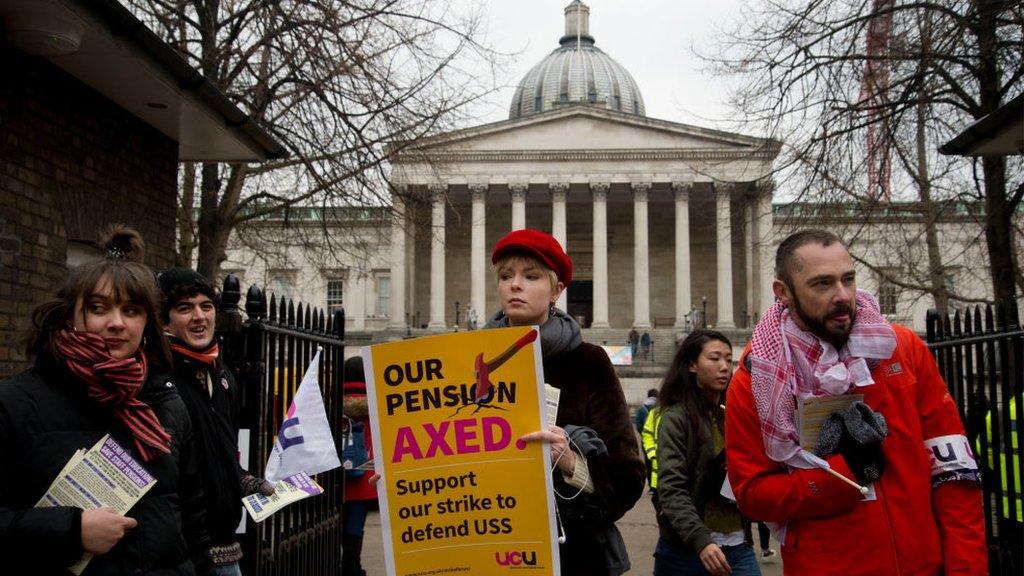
pixel 662 348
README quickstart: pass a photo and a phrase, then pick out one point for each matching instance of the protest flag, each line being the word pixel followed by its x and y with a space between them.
pixel 304 443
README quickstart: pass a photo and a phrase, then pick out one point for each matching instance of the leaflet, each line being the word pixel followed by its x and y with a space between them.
pixel 106 475
pixel 291 489
pixel 551 398
pixel 812 413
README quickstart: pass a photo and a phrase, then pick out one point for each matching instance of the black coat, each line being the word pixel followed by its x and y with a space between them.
pixel 216 443
pixel 592 396
pixel 45 416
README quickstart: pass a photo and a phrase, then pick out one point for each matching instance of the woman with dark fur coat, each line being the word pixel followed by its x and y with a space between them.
pixel 603 468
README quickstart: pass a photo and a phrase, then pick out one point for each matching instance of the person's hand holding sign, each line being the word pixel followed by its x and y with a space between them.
pixel 561 455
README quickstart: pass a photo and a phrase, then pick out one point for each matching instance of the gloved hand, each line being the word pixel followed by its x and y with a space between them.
pixel 251 485
pixel 856 434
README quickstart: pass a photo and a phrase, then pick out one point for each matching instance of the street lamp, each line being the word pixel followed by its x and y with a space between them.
pixel 704 311
pixel 456 315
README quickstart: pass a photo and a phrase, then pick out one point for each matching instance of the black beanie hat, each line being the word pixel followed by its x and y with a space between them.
pixel 176 278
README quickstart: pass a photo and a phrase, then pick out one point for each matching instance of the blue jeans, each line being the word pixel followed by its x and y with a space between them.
pixel 228 570
pixel 670 560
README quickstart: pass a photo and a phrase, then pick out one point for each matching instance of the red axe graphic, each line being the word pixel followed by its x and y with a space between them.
pixel 484 392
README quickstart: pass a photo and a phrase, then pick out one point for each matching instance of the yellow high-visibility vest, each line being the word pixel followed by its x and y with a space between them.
pixel 649 438
pixel 1004 470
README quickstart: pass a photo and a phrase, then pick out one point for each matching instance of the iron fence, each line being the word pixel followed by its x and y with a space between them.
pixel 980 354
pixel 269 351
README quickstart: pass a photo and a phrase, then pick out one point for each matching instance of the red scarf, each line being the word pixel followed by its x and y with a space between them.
pixel 115 384
pixel 205 356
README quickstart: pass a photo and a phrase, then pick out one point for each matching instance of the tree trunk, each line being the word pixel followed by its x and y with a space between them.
pixel 210 256
pixel 936 271
pixel 998 217
pixel 186 217
pixel 998 229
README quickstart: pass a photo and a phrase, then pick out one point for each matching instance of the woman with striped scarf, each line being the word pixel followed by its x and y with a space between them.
pixel 96 346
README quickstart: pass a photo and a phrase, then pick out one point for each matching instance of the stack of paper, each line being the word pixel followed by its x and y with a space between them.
pixel 105 475
pixel 291 489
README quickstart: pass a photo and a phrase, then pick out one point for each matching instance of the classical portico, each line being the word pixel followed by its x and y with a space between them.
pixel 657 216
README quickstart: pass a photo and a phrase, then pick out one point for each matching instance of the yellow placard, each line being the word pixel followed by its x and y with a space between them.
pixel 460 493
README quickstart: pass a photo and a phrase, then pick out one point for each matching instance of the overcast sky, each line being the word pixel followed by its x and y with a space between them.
pixel 654 40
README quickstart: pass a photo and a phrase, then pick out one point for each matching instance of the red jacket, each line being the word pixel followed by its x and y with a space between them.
pixel 911 528
pixel 359 487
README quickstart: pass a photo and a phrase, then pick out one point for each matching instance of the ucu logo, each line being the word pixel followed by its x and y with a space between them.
pixel 515 558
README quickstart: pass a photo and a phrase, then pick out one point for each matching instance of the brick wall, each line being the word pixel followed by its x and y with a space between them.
pixel 71 163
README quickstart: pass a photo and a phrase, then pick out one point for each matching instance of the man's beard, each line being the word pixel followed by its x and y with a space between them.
pixel 818 325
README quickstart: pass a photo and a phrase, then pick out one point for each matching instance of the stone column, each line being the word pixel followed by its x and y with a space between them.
pixel 599 191
pixel 766 264
pixel 355 285
pixel 559 191
pixel 437 280
pixel 681 191
pixel 398 320
pixel 641 262
pixel 518 192
pixel 723 237
pixel 478 253
pixel 751 280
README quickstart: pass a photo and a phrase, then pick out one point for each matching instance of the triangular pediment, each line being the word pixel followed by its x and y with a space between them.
pixel 586 128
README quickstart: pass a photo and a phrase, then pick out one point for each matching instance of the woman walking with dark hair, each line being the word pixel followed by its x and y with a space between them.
pixel 95 346
pixel 701 532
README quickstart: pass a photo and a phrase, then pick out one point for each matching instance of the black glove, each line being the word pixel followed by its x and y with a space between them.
pixel 856 434
pixel 251 485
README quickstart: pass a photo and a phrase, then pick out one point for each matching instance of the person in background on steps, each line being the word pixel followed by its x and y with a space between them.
pixel 645 344
pixel 634 342
pixel 357 449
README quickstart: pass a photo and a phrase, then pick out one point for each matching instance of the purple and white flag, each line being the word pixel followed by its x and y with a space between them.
pixel 304 443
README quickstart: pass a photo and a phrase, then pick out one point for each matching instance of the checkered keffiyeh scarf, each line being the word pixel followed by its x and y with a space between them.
pixel 787 362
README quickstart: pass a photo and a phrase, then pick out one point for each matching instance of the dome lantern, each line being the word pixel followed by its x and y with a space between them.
pixel 577 72
pixel 577 23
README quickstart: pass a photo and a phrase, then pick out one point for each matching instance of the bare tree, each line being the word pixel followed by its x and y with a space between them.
pixel 335 81
pixel 816 75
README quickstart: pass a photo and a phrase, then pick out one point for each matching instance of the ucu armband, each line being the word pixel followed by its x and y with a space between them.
pixel 952 459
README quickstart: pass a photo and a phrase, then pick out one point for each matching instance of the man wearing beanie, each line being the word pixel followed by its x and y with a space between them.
pixel 209 392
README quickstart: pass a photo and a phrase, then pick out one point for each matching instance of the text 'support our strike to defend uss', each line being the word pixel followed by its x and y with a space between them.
pixel 460 492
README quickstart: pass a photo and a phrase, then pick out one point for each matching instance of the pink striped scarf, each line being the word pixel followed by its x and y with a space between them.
pixel 115 384
pixel 787 362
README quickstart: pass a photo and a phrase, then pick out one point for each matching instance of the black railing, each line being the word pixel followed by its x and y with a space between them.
pixel 980 354
pixel 269 352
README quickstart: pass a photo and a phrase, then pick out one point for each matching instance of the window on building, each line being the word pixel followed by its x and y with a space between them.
pixel 384 296
pixel 335 294
pixel 888 295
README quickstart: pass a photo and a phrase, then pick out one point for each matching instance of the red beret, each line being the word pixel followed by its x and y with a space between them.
pixel 541 245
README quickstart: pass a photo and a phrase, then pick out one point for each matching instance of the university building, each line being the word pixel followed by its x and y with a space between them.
pixel 666 223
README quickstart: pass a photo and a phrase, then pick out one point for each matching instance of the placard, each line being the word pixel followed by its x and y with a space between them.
pixel 459 492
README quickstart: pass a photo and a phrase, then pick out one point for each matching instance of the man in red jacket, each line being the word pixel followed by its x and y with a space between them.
pixel 905 443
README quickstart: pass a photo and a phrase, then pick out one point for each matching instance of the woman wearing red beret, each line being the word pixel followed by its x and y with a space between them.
pixel 599 475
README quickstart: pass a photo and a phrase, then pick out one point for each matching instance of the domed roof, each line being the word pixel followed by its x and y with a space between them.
pixel 576 72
